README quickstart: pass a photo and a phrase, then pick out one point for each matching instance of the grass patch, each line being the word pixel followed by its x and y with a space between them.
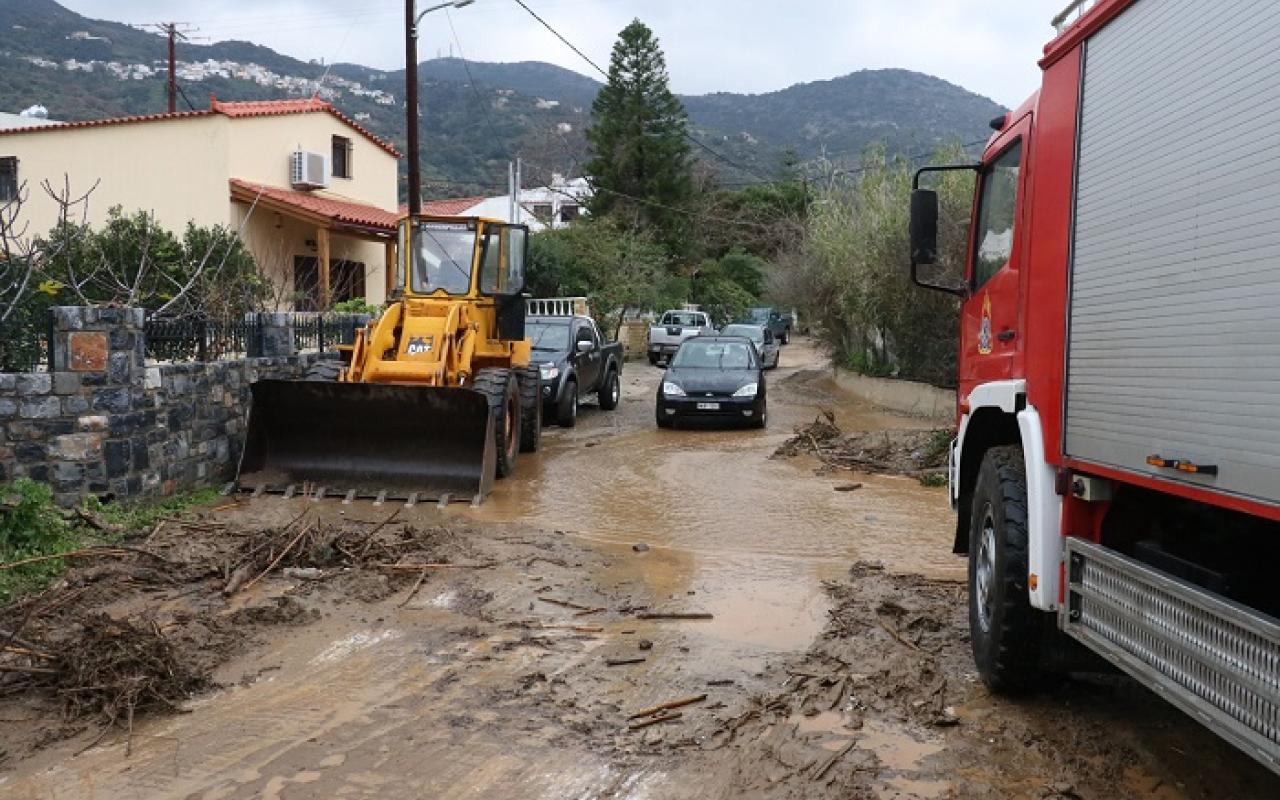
pixel 135 519
pixel 938 448
pixel 32 525
pixel 933 479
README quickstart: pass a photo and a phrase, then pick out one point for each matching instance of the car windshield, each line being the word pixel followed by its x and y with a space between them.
pixel 681 318
pixel 752 332
pixel 713 355
pixel 548 336
pixel 760 315
pixel 442 257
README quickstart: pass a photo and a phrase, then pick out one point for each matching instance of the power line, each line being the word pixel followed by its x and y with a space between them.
pixel 684 132
pixel 466 65
pixel 186 99
pixel 558 35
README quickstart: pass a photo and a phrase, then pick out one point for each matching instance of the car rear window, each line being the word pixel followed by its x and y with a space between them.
pixel 752 332
pixel 681 318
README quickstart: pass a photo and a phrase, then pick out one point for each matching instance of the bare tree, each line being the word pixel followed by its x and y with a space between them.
pixel 24 256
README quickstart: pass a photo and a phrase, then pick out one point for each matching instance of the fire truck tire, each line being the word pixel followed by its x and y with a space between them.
pixel 1004 629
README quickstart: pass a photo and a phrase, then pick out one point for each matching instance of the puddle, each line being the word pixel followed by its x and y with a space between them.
pixel 896 749
pixel 718 492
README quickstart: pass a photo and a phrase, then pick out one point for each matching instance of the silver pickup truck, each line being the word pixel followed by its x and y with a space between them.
pixel 666 337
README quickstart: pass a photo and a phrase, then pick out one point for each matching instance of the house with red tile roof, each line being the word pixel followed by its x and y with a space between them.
pixel 312 192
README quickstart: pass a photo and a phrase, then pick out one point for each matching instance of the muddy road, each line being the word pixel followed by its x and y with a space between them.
pixel 831 660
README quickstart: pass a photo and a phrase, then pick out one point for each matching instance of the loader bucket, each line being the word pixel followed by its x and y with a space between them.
pixel 378 440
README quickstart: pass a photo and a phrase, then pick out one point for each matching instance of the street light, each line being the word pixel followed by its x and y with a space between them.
pixel 411 19
pixel 456 4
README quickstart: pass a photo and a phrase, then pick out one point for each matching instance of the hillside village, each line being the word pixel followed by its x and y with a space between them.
pixel 334 86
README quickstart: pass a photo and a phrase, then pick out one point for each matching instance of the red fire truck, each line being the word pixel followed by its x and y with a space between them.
pixel 1117 467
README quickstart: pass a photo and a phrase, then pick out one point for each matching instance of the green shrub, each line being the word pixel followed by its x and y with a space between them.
pixel 31 526
pixel 357 305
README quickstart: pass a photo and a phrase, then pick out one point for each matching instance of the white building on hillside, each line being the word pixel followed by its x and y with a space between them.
pixel 553 206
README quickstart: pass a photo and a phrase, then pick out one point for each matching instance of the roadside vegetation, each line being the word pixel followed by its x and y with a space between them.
pixel 830 244
pixel 35 530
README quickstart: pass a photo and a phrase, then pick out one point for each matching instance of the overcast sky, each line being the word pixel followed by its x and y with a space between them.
pixel 987 46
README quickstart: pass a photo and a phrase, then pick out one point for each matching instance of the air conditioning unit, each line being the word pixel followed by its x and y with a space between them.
pixel 308 170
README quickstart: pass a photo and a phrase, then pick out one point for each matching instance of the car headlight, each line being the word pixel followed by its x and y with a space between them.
pixel 672 390
pixel 747 391
pixel 549 371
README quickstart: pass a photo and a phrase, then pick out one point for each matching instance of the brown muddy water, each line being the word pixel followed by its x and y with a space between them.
pixel 752 535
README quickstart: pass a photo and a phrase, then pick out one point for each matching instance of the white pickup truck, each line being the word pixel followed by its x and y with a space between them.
pixel 673 329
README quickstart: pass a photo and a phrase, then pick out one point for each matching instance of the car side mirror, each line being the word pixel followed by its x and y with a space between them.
pixel 585 346
pixel 924 226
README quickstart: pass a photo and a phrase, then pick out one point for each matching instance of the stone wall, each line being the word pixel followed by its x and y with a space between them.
pixel 905 397
pixel 103 422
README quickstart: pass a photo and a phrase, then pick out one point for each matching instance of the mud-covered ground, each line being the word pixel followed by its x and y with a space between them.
pixel 830 659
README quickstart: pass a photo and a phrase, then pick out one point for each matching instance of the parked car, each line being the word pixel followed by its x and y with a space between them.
pixel 766 346
pixel 673 329
pixel 576 361
pixel 778 323
pixel 713 378
pixel 773 319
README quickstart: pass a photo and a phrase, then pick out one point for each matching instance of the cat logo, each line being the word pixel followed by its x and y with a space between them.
pixel 419 345
pixel 984 333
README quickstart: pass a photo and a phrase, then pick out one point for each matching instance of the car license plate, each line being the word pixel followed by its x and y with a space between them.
pixel 708 406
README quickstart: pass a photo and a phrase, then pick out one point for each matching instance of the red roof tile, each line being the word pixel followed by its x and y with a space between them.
pixel 275 108
pixel 341 212
pixel 451 207
pixel 235 110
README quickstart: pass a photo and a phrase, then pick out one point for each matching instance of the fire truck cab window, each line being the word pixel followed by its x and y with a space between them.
pixel 996 215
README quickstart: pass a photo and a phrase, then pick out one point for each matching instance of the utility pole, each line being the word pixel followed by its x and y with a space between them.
pixel 411 19
pixel 411 106
pixel 175 31
pixel 173 68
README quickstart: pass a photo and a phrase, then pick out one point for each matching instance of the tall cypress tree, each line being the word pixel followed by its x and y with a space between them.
pixel 639 161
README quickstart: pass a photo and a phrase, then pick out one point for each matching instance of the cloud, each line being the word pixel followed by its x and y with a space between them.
pixel 988 46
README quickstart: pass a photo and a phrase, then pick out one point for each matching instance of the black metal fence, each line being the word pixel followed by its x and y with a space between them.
pixel 320 332
pixel 25 341
pixel 202 339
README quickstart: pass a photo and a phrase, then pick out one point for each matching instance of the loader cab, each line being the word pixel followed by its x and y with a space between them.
pixel 472 258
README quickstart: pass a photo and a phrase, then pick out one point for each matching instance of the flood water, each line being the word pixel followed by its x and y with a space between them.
pixel 752 536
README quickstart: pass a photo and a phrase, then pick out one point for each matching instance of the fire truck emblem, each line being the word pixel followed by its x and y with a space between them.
pixel 984 333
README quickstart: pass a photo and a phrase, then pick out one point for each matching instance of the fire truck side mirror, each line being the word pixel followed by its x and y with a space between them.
pixel 924 226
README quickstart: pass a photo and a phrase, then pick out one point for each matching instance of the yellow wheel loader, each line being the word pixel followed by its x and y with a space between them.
pixel 438 394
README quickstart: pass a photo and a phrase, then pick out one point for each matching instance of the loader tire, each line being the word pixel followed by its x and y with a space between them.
pixel 501 387
pixel 326 369
pixel 1004 629
pixel 530 409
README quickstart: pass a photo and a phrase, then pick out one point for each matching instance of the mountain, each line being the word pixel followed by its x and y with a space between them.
pixel 82 69
pixel 907 110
